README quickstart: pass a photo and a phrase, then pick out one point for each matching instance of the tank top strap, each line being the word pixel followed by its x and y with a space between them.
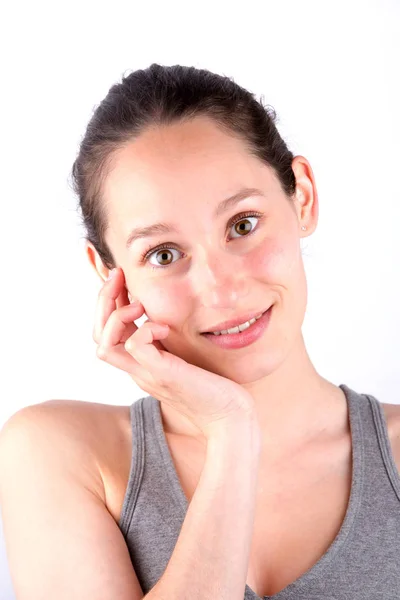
pixel 385 451
pixel 136 466
pixel 152 478
pixel 379 467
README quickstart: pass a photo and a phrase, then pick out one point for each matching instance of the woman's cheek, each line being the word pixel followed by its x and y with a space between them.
pixel 269 262
pixel 276 261
pixel 163 301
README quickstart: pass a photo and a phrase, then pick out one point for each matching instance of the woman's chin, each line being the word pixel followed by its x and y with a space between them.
pixel 242 371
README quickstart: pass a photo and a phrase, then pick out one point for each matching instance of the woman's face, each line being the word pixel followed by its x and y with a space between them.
pixel 211 270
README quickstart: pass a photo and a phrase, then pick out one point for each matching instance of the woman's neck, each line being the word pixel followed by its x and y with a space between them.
pixel 294 405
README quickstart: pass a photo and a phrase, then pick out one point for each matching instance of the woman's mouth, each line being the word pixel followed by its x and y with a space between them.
pixel 242 335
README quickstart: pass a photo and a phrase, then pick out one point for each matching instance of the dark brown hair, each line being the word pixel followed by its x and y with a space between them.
pixel 161 95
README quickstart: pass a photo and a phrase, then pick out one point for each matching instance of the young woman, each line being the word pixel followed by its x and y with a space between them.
pixel 243 472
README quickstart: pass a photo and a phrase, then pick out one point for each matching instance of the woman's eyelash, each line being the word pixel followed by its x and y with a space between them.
pixel 241 216
pixel 168 245
pixel 149 251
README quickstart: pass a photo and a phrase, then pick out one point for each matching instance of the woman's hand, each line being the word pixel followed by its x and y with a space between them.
pixel 206 399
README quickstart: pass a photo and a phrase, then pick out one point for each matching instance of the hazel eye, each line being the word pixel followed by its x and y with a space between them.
pixel 163 255
pixel 243 226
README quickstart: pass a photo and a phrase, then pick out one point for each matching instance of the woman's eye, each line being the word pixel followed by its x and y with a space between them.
pixel 243 225
pixel 162 256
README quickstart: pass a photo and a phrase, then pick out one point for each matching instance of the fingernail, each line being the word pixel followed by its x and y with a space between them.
pixel 111 274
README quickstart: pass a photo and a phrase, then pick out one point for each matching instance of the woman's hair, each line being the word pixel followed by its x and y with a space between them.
pixel 161 95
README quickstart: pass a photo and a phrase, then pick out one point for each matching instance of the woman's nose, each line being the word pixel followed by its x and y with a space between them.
pixel 218 280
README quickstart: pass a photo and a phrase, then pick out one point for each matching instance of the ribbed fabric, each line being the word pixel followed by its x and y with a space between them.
pixel 362 563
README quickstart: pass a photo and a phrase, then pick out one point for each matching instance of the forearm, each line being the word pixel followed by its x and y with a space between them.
pixel 211 556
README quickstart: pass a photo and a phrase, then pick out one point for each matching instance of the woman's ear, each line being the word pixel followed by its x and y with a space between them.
pixel 306 199
pixel 96 262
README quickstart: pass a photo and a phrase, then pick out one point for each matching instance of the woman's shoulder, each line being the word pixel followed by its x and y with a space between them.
pixel 92 439
pixel 87 425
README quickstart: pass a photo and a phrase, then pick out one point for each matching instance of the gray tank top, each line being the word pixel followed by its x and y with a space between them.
pixel 362 563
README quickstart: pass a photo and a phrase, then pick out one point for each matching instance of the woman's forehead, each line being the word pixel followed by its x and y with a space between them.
pixel 209 173
pixel 193 144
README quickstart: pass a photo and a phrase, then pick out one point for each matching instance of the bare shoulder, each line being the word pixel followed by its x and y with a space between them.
pixel 392 415
pixel 93 438
pixel 61 538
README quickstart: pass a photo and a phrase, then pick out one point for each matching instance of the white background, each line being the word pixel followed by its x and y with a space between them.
pixel 331 71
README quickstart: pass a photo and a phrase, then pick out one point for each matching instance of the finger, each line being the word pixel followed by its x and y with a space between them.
pixel 123 298
pixel 110 295
pixel 105 304
pixel 141 345
pixel 121 325
pixel 120 357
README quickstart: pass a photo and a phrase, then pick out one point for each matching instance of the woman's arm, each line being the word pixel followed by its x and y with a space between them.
pixel 210 559
pixel 61 541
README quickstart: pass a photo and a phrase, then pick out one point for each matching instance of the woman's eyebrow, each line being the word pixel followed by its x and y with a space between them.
pixel 162 227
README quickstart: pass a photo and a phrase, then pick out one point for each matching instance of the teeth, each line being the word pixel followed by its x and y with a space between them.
pixel 240 327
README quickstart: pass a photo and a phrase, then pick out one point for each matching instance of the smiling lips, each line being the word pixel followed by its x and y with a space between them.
pixel 238 328
pixel 243 321
pixel 238 339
